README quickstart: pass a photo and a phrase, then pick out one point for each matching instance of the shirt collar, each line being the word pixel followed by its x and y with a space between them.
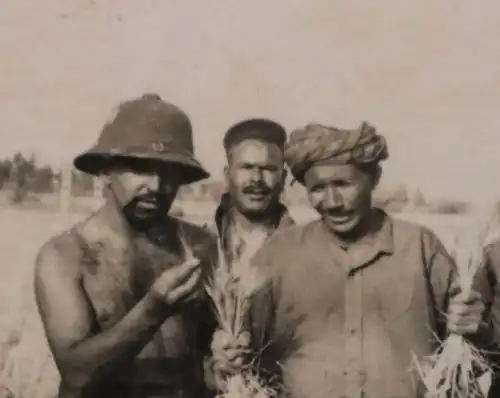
pixel 380 241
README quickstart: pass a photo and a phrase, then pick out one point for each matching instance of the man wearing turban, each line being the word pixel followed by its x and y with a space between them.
pixel 351 296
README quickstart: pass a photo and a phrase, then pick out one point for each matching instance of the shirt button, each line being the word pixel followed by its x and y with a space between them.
pixel 352 331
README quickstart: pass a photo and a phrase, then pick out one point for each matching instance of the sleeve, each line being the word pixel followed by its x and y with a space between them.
pixel 487 288
pixel 444 285
pixel 207 319
pixel 207 252
pixel 262 313
pixel 207 327
pixel 442 279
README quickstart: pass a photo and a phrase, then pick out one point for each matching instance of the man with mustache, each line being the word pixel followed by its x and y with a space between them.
pixel 251 212
pixel 347 299
pixel 120 292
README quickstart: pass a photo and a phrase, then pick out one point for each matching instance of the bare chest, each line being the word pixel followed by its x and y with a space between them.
pixel 117 276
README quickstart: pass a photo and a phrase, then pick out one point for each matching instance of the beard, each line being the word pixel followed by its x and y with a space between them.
pixel 146 211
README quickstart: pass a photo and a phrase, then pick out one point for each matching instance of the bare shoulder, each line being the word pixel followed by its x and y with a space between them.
pixel 61 254
pixel 58 255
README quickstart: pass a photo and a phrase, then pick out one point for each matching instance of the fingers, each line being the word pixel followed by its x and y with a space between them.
pixel 195 295
pixel 182 272
pixel 223 340
pixel 220 340
pixel 228 361
pixel 225 368
pixel 244 339
pixel 231 355
pixel 467 298
pixel 188 289
pixel 462 328
pixel 465 314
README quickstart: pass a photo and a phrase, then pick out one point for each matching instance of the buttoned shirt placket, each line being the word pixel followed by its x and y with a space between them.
pixel 353 328
pixel 354 265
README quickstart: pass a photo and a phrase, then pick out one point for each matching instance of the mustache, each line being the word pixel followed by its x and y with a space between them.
pixel 151 197
pixel 257 188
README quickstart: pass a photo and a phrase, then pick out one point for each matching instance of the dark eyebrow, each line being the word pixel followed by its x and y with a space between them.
pixel 269 163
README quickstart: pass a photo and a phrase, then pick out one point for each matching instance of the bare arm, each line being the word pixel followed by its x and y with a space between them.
pixel 83 355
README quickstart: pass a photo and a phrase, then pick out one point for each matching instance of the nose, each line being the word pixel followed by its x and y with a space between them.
pixel 152 182
pixel 332 198
pixel 256 174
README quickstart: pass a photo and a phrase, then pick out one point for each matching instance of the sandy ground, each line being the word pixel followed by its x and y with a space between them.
pixel 28 369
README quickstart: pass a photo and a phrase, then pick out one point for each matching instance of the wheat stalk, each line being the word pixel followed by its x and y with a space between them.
pixel 230 288
pixel 457 369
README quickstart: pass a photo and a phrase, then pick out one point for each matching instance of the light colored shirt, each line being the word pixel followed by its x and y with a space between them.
pixel 346 324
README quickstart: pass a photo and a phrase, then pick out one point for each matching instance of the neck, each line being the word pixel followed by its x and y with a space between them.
pixel 369 225
pixel 114 218
pixel 246 224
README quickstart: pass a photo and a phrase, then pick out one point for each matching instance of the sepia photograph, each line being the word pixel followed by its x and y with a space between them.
pixel 249 199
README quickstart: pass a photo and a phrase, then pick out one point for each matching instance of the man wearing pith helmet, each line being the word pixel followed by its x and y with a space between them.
pixel 350 297
pixel 120 292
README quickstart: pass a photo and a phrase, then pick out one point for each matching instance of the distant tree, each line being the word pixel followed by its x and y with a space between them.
pixel 43 181
pixel 82 184
pixel 23 173
pixel 451 207
pixel 392 200
pixel 401 196
pixel 215 189
pixel 419 199
pixel 26 176
pixel 5 172
pixel 185 192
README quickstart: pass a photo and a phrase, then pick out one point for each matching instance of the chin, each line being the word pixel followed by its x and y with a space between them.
pixel 344 228
pixel 255 208
pixel 255 212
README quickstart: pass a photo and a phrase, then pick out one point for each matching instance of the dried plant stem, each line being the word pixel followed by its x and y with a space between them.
pixel 458 369
pixel 230 294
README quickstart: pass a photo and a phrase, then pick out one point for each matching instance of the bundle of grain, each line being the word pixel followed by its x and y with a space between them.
pixel 458 369
pixel 230 288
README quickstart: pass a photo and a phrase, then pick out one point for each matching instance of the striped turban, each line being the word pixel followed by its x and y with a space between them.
pixel 316 143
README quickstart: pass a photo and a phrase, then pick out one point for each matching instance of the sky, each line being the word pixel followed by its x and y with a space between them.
pixel 426 74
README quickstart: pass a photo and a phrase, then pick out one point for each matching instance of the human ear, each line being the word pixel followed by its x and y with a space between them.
pixel 226 175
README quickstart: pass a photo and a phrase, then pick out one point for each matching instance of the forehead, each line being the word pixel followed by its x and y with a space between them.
pixel 254 150
pixel 329 171
pixel 132 167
